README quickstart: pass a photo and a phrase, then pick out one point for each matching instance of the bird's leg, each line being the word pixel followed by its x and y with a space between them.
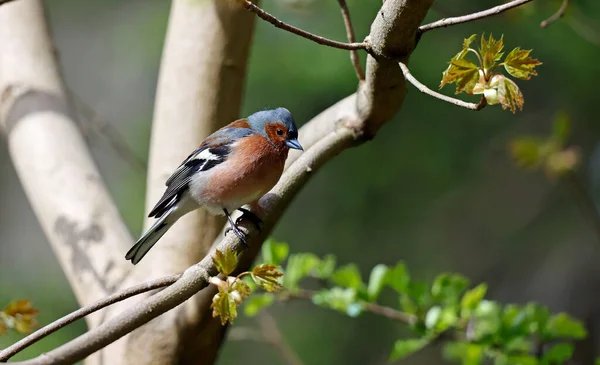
pixel 251 217
pixel 235 228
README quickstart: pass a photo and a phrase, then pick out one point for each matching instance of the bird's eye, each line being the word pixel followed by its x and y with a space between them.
pixel 280 132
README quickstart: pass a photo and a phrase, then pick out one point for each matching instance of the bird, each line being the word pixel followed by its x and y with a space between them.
pixel 234 166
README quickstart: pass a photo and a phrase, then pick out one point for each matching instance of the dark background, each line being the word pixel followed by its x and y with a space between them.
pixel 436 188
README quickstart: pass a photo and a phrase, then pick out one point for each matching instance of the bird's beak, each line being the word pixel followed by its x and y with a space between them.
pixel 293 143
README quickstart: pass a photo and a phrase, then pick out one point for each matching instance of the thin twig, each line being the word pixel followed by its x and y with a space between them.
pixel 82 312
pixel 352 39
pixel 370 307
pixel 302 33
pixel 559 13
pixel 584 201
pixel 424 89
pixel 470 17
pixel 272 334
pixel 114 138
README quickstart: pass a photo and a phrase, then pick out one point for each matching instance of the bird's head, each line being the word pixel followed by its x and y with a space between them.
pixel 278 126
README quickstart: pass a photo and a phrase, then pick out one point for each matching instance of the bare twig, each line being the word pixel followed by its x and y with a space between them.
pixel 352 39
pixel 370 307
pixel 559 13
pixel 272 334
pixel 584 201
pixel 82 312
pixel 469 18
pixel 424 89
pixel 302 33
pixel 112 136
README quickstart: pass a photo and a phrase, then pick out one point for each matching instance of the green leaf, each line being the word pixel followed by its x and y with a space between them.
pixel 564 326
pixel 23 316
pixel 487 319
pixel 347 276
pixel 518 64
pixel 377 280
pixel 462 72
pixel 267 276
pixel 448 287
pixel 339 299
pixel 521 360
pixel 397 277
pixel 509 94
pixel 466 353
pixel 526 152
pixel 472 298
pixel 255 303
pixel 491 51
pixel 224 305
pixel 225 262
pixel 561 127
pixel 325 268
pixel 433 316
pixel 239 286
pixel 299 266
pixel 404 348
pixel 274 252
pixel 558 354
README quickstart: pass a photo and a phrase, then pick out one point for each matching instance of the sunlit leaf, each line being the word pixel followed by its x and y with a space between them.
pixel 462 72
pixel 225 261
pixel 397 277
pixel 404 348
pixel 558 354
pixel 267 276
pixel 518 64
pixel 23 315
pixel 487 319
pixel 521 360
pixel 466 353
pixel 563 325
pixel 377 280
pixel 347 276
pixel 239 286
pixel 447 288
pixel 274 252
pixel 299 266
pixel 509 94
pixel 339 299
pixel 491 51
pixel 224 305
pixel 325 268
pixel 255 303
pixel 472 298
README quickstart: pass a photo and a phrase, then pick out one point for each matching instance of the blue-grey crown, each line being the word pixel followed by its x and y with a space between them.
pixel 258 120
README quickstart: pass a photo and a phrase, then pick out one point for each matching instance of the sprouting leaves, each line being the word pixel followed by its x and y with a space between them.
pixel 231 294
pixel 480 76
pixel 225 262
pixel 19 315
pixel 531 152
pixel 266 276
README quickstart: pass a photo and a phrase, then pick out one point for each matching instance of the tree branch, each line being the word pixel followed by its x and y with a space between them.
pixel 272 334
pixel 352 39
pixel 58 174
pixel 559 13
pixel 302 33
pixel 19 346
pixel 471 17
pixel 424 89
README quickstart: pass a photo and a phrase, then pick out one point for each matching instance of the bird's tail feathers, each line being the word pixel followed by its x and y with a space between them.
pixel 149 239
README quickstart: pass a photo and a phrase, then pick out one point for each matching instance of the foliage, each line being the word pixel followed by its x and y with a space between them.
pixel 550 153
pixel 472 328
pixel 482 78
pixel 18 315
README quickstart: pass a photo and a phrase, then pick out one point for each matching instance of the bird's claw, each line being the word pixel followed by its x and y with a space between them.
pixel 256 221
pixel 238 232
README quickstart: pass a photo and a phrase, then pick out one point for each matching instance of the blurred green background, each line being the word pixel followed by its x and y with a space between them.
pixel 436 188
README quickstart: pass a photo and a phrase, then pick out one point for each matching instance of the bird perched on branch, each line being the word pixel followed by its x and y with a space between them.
pixel 234 166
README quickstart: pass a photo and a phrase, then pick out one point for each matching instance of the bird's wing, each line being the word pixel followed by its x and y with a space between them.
pixel 212 152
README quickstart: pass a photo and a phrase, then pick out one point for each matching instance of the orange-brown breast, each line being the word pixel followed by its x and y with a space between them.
pixel 251 170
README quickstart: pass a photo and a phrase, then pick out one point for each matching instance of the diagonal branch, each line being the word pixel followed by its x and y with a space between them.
pixel 559 13
pixel 352 39
pixel 19 346
pixel 302 33
pixel 424 89
pixel 471 17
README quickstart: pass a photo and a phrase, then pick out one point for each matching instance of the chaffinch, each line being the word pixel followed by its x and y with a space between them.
pixel 234 166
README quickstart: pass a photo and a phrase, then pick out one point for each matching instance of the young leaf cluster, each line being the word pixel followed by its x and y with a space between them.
pixel 481 76
pixel 233 290
pixel 475 330
pixel 550 153
pixel 18 315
